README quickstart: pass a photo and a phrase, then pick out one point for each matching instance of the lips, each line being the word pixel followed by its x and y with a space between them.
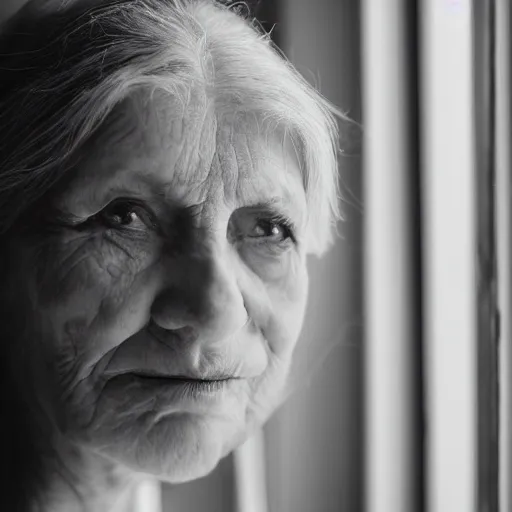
pixel 146 357
pixel 189 384
pixel 180 378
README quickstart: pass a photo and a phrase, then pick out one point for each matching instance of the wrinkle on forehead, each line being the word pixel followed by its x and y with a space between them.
pixel 195 157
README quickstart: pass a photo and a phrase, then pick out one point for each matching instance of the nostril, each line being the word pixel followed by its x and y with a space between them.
pixel 186 333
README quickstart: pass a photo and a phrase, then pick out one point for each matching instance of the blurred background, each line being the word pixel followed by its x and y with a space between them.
pixel 313 445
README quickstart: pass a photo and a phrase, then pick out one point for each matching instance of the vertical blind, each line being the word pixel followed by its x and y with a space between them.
pixel 392 283
pixel 450 254
pixel 436 114
pixel 503 189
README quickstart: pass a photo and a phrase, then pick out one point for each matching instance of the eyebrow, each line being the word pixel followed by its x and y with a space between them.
pixel 99 192
pixel 134 182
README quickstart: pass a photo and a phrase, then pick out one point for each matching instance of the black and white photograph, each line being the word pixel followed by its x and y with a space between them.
pixel 256 256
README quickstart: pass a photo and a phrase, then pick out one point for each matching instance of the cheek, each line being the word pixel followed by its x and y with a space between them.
pixel 272 265
pixel 288 296
pixel 72 268
pixel 90 294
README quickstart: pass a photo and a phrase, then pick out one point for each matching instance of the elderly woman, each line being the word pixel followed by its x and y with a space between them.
pixel 163 174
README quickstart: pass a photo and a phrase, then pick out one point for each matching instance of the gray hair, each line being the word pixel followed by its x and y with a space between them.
pixel 72 67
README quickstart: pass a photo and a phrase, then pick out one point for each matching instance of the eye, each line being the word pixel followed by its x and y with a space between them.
pixel 275 229
pixel 126 214
pixel 260 228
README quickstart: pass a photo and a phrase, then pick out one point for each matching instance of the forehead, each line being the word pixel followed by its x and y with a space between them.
pixel 192 155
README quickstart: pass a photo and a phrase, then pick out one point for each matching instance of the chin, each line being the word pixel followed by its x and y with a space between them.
pixel 177 449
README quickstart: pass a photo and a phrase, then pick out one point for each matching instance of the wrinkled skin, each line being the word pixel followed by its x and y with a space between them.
pixel 191 278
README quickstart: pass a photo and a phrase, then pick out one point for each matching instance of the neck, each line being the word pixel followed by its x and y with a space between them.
pixel 81 481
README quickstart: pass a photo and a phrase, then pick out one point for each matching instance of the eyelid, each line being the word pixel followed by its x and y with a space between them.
pixel 269 212
pixel 69 220
pixel 280 220
pixel 135 203
pixel 59 217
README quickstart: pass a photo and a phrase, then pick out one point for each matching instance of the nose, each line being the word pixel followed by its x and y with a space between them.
pixel 202 301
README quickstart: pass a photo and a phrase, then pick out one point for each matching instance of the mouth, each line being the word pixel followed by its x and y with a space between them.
pixel 177 393
pixel 183 380
pixel 147 374
pixel 185 383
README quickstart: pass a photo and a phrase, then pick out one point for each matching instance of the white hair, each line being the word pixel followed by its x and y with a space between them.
pixel 107 52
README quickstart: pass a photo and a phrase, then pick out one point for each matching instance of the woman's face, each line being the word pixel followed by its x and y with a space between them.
pixel 172 261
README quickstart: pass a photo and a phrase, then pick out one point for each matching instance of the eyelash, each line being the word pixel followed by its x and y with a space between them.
pixel 151 222
pixel 147 217
pixel 283 222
